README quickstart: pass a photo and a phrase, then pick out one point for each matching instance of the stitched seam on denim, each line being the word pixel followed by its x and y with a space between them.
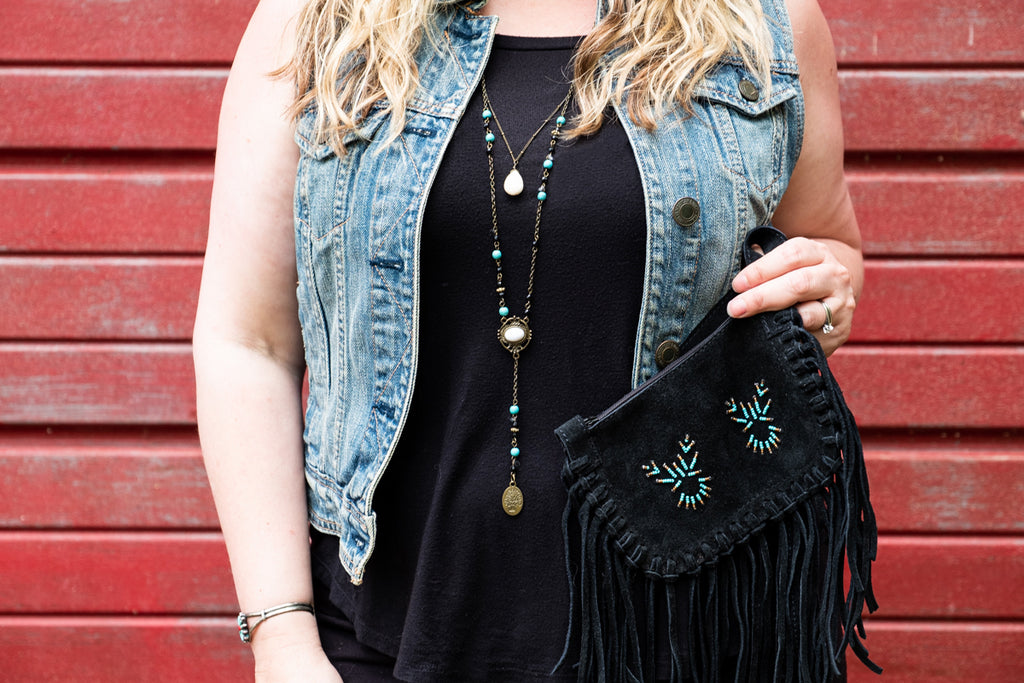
pixel 408 152
pixel 754 185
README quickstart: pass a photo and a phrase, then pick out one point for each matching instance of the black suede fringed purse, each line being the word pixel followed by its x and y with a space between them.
pixel 728 491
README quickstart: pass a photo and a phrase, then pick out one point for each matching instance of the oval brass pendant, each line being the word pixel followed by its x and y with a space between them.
pixel 512 500
pixel 514 334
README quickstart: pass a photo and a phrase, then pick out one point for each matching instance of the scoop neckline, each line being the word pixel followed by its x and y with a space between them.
pixel 524 43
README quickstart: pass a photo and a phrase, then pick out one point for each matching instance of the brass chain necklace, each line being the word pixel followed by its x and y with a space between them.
pixel 514 331
pixel 513 184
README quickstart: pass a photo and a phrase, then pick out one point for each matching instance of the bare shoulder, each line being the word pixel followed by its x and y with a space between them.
pixel 269 38
pixel 811 38
pixel 817 202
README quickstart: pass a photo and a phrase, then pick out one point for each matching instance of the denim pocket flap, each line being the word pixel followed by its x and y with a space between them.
pixel 735 87
pixel 314 147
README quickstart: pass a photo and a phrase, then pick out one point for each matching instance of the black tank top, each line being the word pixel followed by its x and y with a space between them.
pixel 455 588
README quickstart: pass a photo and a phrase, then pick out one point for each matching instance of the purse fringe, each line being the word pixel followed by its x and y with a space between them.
pixel 777 600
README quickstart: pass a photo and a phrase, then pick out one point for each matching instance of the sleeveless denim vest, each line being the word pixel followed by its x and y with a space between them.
pixel 708 177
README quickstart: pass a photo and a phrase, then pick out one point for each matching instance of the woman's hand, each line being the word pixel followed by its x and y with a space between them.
pixel 287 650
pixel 804 272
pixel 296 664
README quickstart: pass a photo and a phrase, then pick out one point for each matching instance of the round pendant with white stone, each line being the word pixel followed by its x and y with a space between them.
pixel 513 183
pixel 514 334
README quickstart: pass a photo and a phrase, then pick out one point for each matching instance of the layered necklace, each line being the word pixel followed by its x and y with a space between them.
pixel 514 332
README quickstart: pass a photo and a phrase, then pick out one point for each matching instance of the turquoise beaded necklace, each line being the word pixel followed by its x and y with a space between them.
pixel 514 332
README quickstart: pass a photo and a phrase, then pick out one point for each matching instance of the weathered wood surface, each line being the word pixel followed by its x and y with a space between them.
pixel 199 31
pixel 941 301
pixel 174 108
pixel 157 573
pixel 188 573
pixel 154 31
pixel 127 108
pixel 933 110
pixel 99 383
pixel 938 206
pixel 206 649
pixel 113 204
pixel 940 483
pixel 83 649
pixel 100 297
pixel 90 482
pixel 932 386
pixel 131 298
pixel 887 32
pixel 132 384
pixel 942 652
pixel 143 204
pixel 946 577
pixel 947 483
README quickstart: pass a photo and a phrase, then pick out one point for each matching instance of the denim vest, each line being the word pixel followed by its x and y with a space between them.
pixel 707 177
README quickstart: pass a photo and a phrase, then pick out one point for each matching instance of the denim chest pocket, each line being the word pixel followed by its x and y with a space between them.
pixel 323 180
pixel 752 122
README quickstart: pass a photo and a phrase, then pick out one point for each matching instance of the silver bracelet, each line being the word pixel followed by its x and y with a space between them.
pixel 246 629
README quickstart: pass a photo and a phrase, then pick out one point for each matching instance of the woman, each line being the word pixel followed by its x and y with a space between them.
pixel 411 248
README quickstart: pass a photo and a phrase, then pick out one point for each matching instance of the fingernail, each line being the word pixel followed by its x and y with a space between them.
pixel 739 283
pixel 736 307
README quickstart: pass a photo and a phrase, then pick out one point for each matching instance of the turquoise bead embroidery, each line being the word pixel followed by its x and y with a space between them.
pixel 764 436
pixel 683 475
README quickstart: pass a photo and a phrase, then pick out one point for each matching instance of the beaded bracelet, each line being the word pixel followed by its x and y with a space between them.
pixel 245 629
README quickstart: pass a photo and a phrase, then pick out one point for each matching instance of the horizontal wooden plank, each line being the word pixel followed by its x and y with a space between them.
pixel 183 31
pixel 937 206
pixel 140 204
pixel 932 386
pixel 193 31
pixel 99 298
pixel 125 108
pixel 941 652
pixel 942 110
pixel 139 108
pixel 911 301
pixel 126 204
pixel 122 298
pixel 888 32
pixel 69 573
pixel 96 384
pixel 947 484
pixel 157 573
pixel 78 481
pixel 136 384
pixel 206 649
pixel 937 577
pixel 89 649
pixel 146 482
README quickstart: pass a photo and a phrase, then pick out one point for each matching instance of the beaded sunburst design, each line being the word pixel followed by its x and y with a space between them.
pixel 764 437
pixel 683 476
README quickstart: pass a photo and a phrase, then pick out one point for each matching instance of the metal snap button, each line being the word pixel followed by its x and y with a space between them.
pixel 666 352
pixel 686 212
pixel 749 91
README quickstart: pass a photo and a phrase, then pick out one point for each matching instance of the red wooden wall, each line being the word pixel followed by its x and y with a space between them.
pixel 111 562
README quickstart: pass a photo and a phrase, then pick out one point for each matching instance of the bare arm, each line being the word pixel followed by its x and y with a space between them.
pixel 248 353
pixel 827 264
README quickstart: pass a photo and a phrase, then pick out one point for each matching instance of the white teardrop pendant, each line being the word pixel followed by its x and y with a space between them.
pixel 513 183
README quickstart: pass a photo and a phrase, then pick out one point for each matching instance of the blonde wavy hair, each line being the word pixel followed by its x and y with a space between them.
pixel 351 54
